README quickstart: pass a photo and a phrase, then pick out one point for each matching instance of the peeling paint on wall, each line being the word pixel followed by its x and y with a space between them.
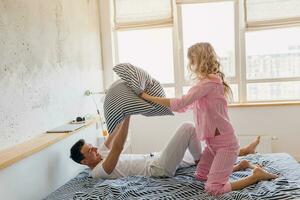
pixel 50 54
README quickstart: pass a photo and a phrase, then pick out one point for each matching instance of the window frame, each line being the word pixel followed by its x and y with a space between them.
pixel 241 29
pixel 177 19
pixel 268 80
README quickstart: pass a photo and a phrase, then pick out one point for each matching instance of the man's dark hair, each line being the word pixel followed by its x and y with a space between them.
pixel 75 153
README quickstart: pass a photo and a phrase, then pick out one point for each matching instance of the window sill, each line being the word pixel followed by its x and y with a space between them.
pixel 20 151
pixel 259 104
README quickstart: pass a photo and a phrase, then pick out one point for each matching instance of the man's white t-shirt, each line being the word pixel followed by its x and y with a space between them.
pixel 128 165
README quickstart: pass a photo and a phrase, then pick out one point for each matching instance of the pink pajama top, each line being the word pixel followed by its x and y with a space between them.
pixel 209 105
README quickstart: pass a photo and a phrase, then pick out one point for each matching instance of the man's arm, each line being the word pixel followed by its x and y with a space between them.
pixel 110 139
pixel 112 158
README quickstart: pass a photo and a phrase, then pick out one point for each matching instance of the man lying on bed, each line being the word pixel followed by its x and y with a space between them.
pixel 107 162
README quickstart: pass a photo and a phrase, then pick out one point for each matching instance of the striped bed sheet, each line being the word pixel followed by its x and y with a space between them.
pixel 184 186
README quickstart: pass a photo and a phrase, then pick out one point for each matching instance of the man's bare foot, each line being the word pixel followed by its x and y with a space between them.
pixel 251 148
pixel 262 175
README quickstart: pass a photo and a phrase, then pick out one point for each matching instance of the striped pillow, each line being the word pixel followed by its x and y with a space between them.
pixel 121 101
pixel 135 78
pixel 139 80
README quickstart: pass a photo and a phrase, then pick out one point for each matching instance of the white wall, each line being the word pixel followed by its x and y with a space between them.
pixel 50 54
pixel 151 134
pixel 38 175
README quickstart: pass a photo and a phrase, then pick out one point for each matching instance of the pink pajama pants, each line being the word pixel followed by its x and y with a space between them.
pixel 216 163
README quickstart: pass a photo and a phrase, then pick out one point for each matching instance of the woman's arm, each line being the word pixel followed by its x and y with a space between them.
pixel 159 100
pixel 181 104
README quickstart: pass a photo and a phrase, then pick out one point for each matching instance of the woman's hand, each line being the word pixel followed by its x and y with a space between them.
pixel 159 100
pixel 144 95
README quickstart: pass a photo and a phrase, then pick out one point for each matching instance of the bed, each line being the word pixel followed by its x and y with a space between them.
pixel 184 186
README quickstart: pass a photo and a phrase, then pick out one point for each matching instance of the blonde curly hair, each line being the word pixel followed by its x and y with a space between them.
pixel 203 61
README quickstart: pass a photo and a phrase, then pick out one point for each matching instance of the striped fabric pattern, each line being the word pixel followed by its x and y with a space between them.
pixel 184 186
pixel 135 78
pixel 139 80
pixel 120 101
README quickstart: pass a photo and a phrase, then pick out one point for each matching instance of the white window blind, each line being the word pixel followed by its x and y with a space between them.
pixel 142 13
pixel 272 12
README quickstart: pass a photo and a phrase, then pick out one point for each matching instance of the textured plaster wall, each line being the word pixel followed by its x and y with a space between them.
pixel 49 55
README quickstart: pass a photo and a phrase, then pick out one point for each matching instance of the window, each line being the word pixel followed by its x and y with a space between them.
pixel 273 91
pixel 144 36
pixel 257 43
pixel 170 92
pixel 150 49
pixel 213 23
pixel 273 56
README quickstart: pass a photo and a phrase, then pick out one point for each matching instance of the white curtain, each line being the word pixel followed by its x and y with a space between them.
pixel 272 12
pixel 139 13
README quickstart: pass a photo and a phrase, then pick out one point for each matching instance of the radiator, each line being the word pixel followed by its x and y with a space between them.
pixel 265 145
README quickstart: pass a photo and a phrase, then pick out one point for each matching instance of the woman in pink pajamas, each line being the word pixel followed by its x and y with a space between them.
pixel 207 99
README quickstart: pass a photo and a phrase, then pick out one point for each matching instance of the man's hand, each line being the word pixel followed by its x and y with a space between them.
pixel 111 137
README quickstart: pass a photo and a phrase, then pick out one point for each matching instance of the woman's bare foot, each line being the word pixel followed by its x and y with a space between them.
pixel 258 175
pixel 250 148
pixel 262 175
pixel 244 164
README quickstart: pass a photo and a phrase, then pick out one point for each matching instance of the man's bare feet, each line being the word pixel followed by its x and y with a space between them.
pixel 250 148
pixel 262 175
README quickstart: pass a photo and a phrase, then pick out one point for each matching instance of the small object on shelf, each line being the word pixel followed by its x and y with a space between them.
pixel 75 122
pixel 105 133
pixel 78 120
